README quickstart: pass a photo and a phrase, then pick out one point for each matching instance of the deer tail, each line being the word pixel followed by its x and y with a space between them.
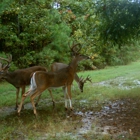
pixel 33 85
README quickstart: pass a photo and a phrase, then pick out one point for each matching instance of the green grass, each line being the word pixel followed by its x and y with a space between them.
pixel 131 70
pixel 102 93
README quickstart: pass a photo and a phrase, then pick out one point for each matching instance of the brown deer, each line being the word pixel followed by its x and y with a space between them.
pixel 80 80
pixel 41 81
pixel 19 78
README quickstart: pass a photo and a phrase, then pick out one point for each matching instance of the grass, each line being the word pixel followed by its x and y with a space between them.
pixel 53 123
pixel 131 70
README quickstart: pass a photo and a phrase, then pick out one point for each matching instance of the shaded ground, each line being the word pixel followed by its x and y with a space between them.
pixel 123 116
pixel 119 119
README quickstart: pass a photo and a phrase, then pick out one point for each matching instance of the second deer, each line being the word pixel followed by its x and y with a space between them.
pixel 80 80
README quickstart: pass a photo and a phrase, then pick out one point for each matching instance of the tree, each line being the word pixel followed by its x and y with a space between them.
pixel 120 21
pixel 29 27
pixel 36 33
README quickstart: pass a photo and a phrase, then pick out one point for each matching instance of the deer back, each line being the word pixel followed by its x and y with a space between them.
pixel 20 77
pixel 57 66
pixel 56 79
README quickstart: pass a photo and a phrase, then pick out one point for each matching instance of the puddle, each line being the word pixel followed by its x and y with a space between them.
pixel 120 82
pixel 87 119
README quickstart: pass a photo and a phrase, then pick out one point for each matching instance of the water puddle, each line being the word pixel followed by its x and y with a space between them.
pixel 120 82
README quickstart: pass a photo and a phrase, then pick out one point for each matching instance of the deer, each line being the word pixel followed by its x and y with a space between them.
pixel 40 81
pixel 19 78
pixel 57 66
pixel 80 80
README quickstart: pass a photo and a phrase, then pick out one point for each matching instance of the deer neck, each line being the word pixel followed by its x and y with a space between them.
pixel 9 77
pixel 76 77
pixel 74 64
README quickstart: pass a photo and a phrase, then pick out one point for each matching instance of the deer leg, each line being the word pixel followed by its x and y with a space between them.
pixel 69 96
pixel 32 100
pixel 17 96
pixel 36 104
pixel 33 104
pixel 22 100
pixel 52 97
pixel 65 96
pixel 23 91
pixel 21 103
pixel 40 97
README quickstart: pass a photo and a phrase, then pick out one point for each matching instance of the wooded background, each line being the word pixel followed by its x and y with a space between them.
pixel 36 33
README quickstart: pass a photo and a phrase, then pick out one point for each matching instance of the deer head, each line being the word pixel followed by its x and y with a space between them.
pixel 4 68
pixel 82 81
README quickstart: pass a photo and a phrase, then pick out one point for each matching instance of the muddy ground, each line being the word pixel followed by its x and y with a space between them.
pixel 119 119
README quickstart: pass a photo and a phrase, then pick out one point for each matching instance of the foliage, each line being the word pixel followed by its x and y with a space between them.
pixel 120 20
pixel 30 28
pixel 104 29
pixel 118 29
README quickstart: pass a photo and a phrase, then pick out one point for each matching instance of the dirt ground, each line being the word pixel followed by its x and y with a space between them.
pixel 119 119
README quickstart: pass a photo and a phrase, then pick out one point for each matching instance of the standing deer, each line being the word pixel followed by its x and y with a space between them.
pixel 41 81
pixel 19 78
pixel 57 66
pixel 80 80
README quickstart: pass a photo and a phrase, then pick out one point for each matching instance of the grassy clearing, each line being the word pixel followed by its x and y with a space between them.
pixel 131 71
pixel 93 92
pixel 53 124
